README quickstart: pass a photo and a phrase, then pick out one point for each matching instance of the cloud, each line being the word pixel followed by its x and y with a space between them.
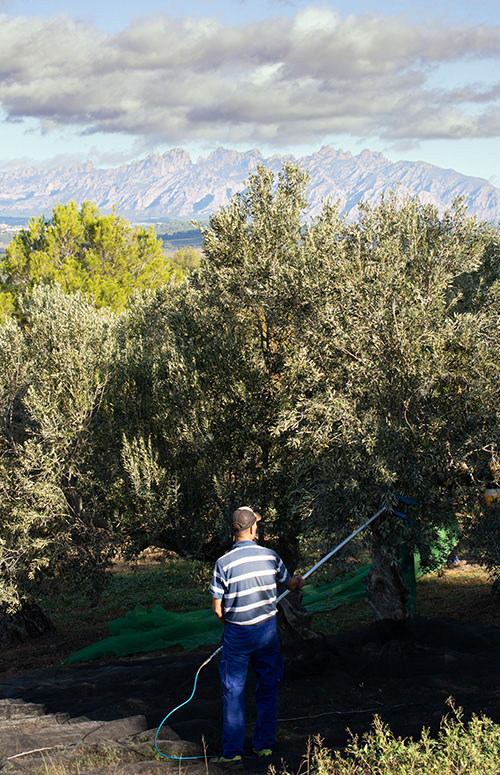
pixel 280 80
pixel 473 93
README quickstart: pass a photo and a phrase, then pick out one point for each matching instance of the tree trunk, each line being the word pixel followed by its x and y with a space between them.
pixel 26 624
pixel 386 592
pixel 294 622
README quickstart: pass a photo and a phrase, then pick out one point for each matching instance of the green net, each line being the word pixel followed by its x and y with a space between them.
pixel 143 630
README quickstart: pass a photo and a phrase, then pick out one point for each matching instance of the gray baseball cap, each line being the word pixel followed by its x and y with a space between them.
pixel 243 518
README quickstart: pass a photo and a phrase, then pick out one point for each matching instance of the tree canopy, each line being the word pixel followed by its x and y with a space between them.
pixel 401 394
pixel 83 250
pixel 54 369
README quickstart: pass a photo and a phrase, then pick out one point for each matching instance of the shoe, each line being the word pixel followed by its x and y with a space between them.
pixel 236 759
pixel 263 752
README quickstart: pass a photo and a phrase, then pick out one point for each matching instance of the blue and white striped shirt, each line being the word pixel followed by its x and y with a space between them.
pixel 247 579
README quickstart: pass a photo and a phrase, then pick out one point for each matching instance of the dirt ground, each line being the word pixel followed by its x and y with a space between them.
pixel 403 673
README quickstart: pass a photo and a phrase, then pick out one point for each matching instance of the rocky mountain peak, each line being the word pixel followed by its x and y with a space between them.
pixel 171 185
pixel 326 152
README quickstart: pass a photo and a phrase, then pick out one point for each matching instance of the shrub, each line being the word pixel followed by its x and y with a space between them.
pixel 459 749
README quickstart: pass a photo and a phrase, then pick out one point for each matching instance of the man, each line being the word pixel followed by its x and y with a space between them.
pixel 244 590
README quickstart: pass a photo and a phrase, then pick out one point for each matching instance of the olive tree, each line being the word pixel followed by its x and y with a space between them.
pixel 256 271
pixel 199 379
pixel 401 391
pixel 53 370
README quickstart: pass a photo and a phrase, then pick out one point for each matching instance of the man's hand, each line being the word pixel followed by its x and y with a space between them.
pixel 296 582
pixel 217 606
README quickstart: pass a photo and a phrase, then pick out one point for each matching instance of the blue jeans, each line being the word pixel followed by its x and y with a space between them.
pixel 257 644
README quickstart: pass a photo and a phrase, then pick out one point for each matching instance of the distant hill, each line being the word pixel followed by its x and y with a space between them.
pixel 171 185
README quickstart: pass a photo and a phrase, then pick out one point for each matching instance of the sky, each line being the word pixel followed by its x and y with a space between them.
pixel 109 81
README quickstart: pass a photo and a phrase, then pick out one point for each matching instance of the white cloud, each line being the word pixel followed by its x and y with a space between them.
pixel 282 79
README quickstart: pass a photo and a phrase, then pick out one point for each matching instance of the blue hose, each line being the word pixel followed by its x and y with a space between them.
pixel 178 758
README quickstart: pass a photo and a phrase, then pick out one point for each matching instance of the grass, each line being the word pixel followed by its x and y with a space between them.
pixel 155 579
pixel 85 759
pixel 461 592
pixel 90 758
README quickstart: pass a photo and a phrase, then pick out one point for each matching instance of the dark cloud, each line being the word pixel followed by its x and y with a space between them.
pixel 282 79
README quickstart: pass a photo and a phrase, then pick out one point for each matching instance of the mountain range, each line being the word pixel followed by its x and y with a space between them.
pixel 171 185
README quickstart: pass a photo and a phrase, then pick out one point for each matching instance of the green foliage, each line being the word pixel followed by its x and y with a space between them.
pixel 7 305
pixel 100 255
pixel 54 370
pixel 398 369
pixel 459 749
pixel 186 259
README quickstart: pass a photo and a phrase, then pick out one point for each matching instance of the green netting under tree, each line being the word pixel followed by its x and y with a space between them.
pixel 147 630
pixel 143 630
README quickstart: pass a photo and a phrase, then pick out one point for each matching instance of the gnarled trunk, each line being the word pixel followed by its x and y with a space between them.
pixel 26 624
pixel 386 592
